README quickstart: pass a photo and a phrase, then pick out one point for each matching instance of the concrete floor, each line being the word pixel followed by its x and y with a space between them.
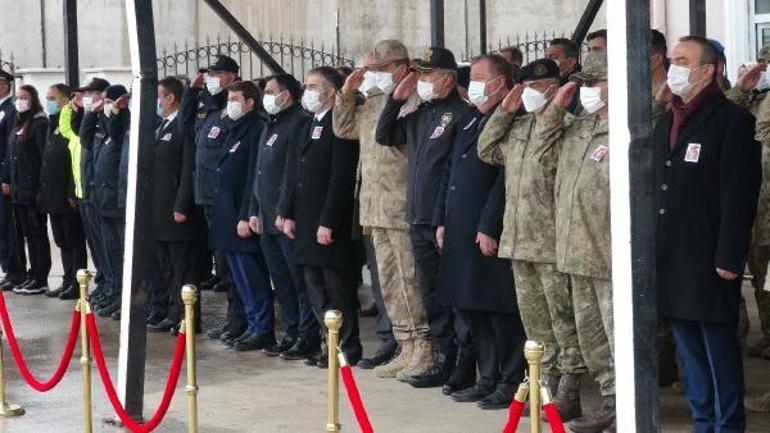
pixel 249 392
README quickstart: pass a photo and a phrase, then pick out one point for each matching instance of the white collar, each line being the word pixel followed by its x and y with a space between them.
pixel 171 116
pixel 320 116
pixel 2 100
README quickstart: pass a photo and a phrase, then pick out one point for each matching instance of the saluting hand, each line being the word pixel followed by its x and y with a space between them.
pixel 77 102
pixel 122 102
pixel 97 106
pixel 244 232
pixel 406 87
pixel 198 82
pixel 487 244
pixel 354 81
pixel 324 235
pixel 565 95
pixel 512 102
pixel 749 80
pixel 664 95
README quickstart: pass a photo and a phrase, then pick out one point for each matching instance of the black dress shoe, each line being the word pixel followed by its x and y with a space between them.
pixel 217 332
pixel 208 284
pixel 154 319
pixel 302 349
pixel 230 342
pixel 383 355
pixel 72 292
pixel 496 400
pixel 280 346
pixel 255 341
pixel 57 291
pixel 464 373
pixel 107 310
pixel 313 360
pixel 437 375
pixel 115 316
pixel 165 325
pixel 472 394
pixel 221 287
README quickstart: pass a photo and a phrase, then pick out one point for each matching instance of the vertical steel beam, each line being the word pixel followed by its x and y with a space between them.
pixel 71 67
pixel 633 218
pixel 245 36
pixel 586 21
pixel 437 23
pixel 138 240
pixel 483 26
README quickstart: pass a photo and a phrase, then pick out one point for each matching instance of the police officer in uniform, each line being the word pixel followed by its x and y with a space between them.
pixel 429 133
pixel 528 237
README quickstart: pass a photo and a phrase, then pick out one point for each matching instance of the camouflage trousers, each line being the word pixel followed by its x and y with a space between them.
pixel 758 259
pixel 592 298
pixel 545 306
pixel 398 282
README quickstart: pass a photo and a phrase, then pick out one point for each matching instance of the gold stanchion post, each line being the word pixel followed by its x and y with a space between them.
pixel 534 352
pixel 333 322
pixel 6 410
pixel 84 278
pixel 190 297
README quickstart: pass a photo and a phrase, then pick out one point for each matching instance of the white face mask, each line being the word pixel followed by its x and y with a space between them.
pixel 679 80
pixel 476 93
pixel 88 104
pixel 213 85
pixel 22 105
pixel 591 99
pixel 311 100
pixel 271 104
pixel 108 108
pixel 385 82
pixel 532 99
pixel 369 84
pixel 425 90
pixel 234 110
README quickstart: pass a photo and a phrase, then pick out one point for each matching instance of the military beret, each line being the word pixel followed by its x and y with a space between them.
pixel 535 70
pixel 115 91
pixel 436 58
pixel 223 64
pixel 8 77
pixel 594 66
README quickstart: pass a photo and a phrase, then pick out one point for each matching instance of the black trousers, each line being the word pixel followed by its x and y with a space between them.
pixel 426 259
pixel 383 326
pixel 180 263
pixel 70 237
pixel 335 289
pixel 34 229
pixel 236 315
pixel 498 341
pixel 16 265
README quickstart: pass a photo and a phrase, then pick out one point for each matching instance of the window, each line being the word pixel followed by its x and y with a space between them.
pixel 762 6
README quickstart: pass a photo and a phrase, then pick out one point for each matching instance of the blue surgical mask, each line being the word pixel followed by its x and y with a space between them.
pixel 159 109
pixel 52 108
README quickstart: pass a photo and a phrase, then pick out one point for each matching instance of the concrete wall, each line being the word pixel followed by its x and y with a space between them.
pixel 353 24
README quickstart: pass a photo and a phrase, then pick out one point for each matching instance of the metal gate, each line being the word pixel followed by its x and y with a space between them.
pixel 294 56
pixel 533 46
pixel 7 63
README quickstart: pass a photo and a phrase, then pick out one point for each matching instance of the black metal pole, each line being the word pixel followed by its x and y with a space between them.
pixel 139 242
pixel 483 25
pixel 437 23
pixel 645 304
pixel 586 21
pixel 71 67
pixel 245 36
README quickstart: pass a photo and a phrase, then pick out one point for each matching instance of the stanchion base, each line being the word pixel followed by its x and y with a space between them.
pixel 333 428
pixel 11 410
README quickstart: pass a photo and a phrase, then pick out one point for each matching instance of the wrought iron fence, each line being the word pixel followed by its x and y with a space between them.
pixel 293 55
pixel 533 46
pixel 7 63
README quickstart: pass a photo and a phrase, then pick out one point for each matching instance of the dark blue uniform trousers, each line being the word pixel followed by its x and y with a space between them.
pixel 250 276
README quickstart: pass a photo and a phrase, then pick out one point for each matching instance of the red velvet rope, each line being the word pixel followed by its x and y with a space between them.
pixel 355 397
pixel 552 413
pixel 514 416
pixel 64 362
pixel 173 377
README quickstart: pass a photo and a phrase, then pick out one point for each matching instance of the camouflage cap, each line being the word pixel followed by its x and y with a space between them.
pixel 385 52
pixel 594 66
pixel 764 53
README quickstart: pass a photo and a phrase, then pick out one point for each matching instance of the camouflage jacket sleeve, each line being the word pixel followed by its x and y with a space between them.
pixel 549 127
pixel 344 119
pixel 763 122
pixel 739 97
pixel 494 138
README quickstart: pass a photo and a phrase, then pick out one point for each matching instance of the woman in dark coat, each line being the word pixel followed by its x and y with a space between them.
pixel 21 180
pixel 230 231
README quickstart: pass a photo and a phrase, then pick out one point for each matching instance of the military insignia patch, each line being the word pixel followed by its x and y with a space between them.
pixel 235 147
pixel 426 55
pixel 540 70
pixel 600 153
pixel 317 131
pixel 446 119
pixel 438 132
pixel 271 141
pixel 166 137
pixel 214 132
pixel 2 115
pixel 693 153
pixel 470 124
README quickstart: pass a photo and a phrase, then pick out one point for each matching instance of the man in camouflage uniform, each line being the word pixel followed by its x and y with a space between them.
pixel 750 92
pixel 382 203
pixel 582 190
pixel 528 237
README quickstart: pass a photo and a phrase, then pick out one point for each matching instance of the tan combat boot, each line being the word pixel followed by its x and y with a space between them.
pixel 389 370
pixel 422 359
